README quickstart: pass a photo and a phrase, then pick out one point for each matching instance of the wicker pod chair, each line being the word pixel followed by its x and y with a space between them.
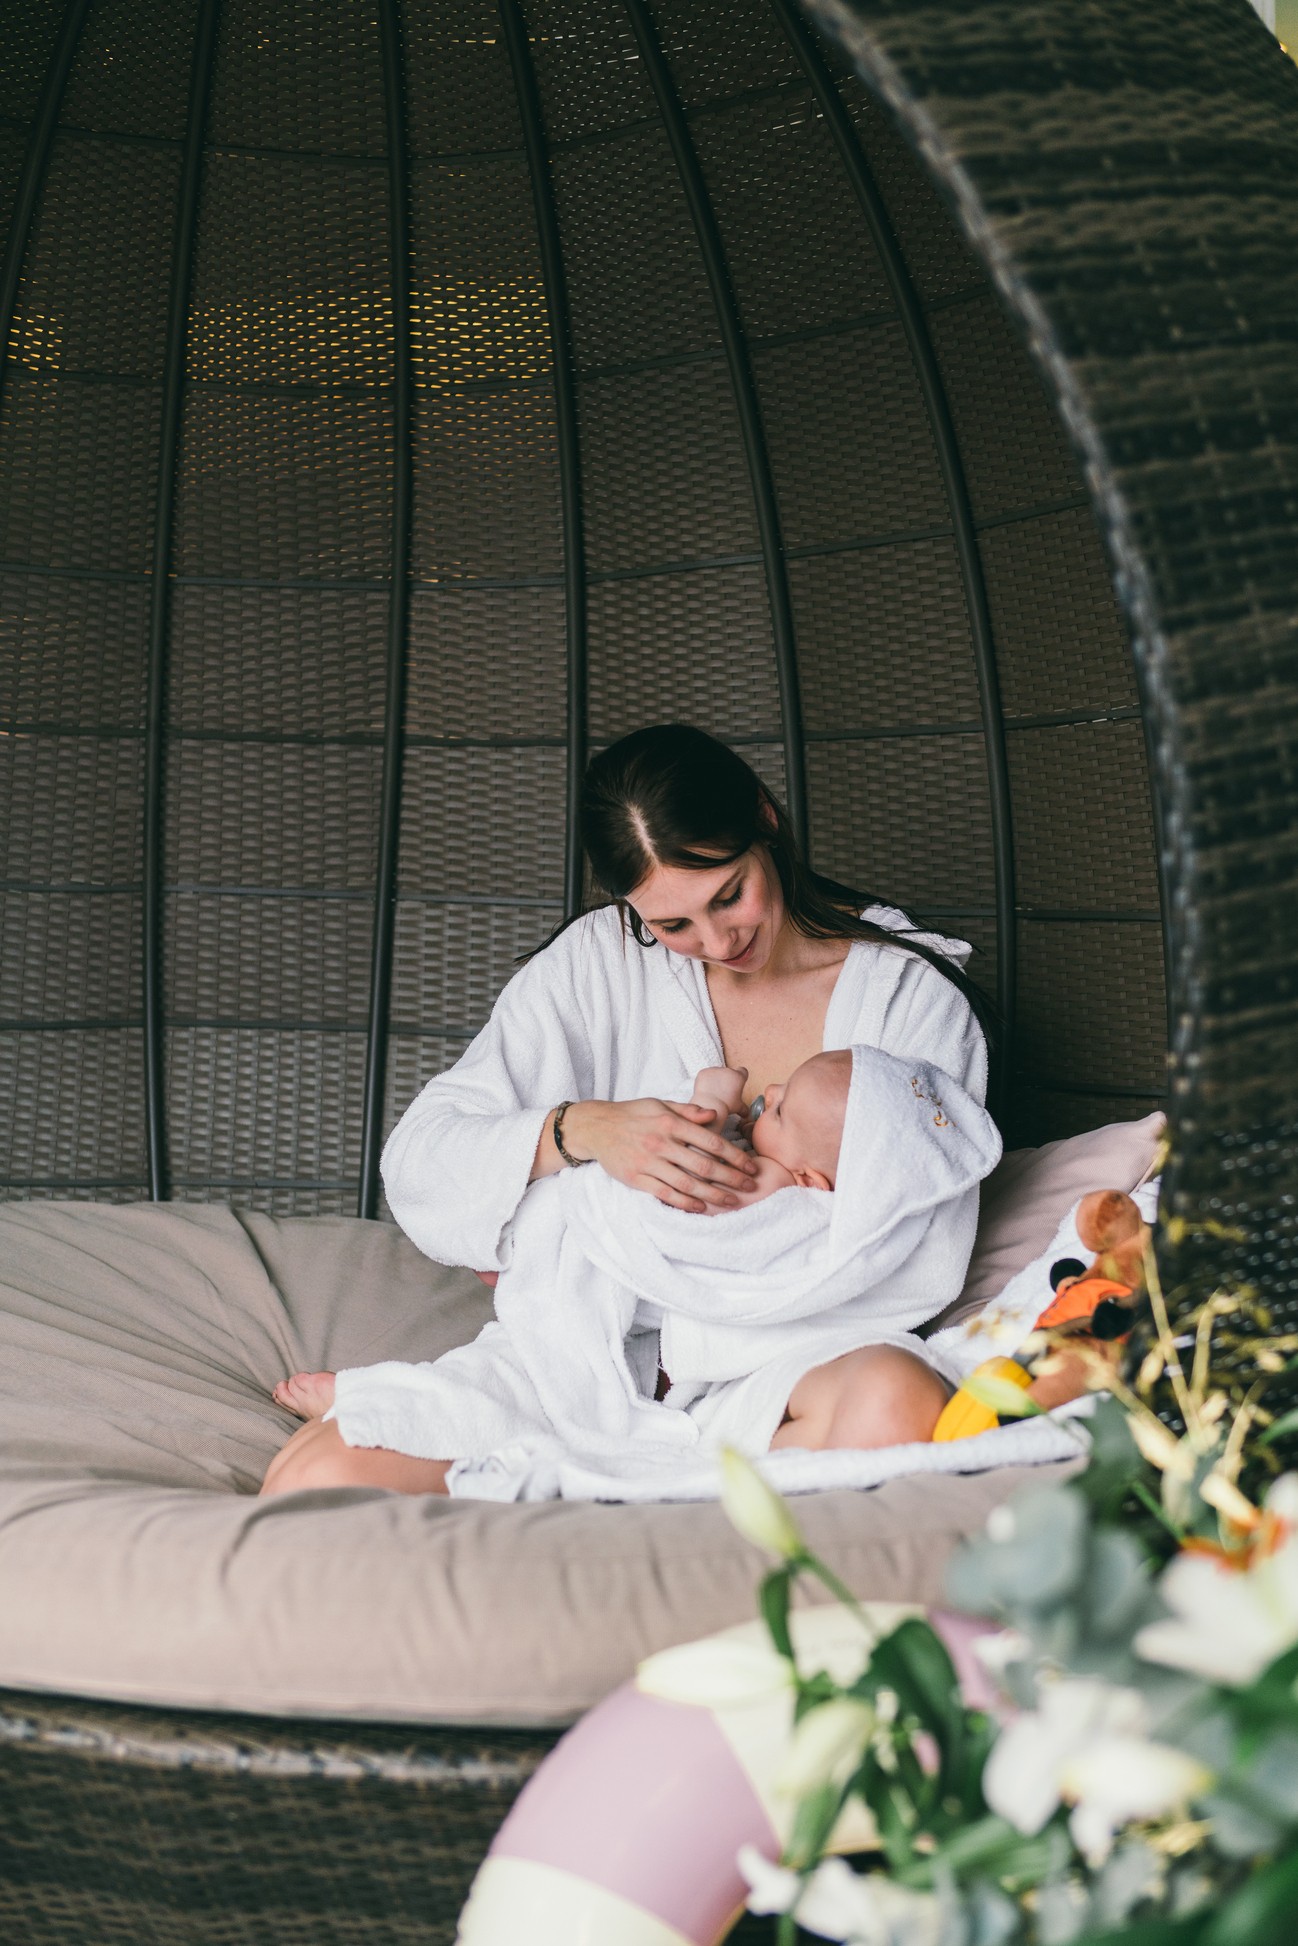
pixel 400 403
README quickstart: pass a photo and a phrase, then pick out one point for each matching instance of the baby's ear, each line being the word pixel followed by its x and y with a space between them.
pixel 811 1179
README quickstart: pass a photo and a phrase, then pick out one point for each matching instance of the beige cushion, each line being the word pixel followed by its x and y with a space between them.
pixel 138 1346
pixel 1030 1191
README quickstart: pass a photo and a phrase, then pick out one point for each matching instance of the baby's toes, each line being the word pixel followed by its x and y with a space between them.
pixel 309 1394
pixel 296 1394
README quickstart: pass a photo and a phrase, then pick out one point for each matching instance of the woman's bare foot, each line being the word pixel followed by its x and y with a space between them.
pixel 309 1394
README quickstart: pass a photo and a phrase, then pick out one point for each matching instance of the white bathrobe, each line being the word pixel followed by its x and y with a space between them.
pixel 596 1288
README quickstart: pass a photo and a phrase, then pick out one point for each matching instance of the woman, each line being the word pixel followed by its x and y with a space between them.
pixel 719 945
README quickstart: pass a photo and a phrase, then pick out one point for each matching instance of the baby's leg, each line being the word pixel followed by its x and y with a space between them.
pixel 309 1394
pixel 318 1456
pixel 878 1395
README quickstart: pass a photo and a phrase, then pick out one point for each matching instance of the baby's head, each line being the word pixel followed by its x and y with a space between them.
pixel 801 1125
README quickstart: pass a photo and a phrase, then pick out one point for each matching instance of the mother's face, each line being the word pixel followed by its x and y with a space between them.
pixel 729 917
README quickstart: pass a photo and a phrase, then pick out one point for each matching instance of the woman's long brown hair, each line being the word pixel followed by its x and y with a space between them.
pixel 673 795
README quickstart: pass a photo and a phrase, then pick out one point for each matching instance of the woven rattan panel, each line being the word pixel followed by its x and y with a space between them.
pixel 1136 193
pixel 242 1830
pixel 276 637
pixel 78 432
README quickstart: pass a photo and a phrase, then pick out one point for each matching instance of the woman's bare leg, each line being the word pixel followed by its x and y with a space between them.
pixel 318 1456
pixel 879 1395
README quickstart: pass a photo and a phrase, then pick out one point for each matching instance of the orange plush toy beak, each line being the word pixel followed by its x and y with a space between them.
pixel 1077 1299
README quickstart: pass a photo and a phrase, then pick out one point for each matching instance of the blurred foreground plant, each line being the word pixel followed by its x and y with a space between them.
pixel 1136 1776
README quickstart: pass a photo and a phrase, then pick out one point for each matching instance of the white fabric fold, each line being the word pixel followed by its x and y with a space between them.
pixel 549 1472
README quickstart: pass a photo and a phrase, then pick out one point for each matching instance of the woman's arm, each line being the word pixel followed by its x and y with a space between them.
pixel 457 1164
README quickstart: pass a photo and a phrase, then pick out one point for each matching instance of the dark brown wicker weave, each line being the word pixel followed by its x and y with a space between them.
pixel 401 402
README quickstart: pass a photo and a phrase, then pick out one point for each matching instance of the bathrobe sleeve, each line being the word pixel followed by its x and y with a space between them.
pixel 457 1163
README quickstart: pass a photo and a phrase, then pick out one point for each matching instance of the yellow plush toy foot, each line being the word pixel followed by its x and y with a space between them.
pixel 963 1415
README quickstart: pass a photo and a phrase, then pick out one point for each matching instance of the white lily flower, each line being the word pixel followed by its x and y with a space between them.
pixel 1116 1779
pixel 1228 1622
pixel 717 1673
pixel 1023 1780
pixel 1282 1501
pixel 772 1888
pixel 756 1509
pixel 999 1652
pixel 837 1903
pixel 826 1745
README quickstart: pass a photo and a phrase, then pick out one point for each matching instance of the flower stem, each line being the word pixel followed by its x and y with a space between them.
pixel 1159 1512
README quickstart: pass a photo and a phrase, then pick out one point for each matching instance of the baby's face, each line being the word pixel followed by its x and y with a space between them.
pixel 802 1123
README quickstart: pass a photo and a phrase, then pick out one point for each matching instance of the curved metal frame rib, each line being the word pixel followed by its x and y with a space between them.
pixel 36 164
pixel 385 892
pixel 173 388
pixel 565 401
pixel 749 406
pixel 937 407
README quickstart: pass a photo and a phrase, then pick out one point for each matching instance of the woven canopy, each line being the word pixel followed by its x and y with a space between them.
pixel 404 401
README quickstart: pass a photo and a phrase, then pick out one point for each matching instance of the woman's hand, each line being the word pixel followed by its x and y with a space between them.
pixel 665 1147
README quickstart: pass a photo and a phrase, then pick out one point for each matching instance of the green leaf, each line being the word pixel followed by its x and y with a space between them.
pixel 774 1601
pixel 1286 1423
pixel 880 1793
pixel 812 1692
pixel 913 1661
pixel 1000 1396
pixel 979 1844
pixel 1152 1932
pixel 1264 1912
pixel 815 1818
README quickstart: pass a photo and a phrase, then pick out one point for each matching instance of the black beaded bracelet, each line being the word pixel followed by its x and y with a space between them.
pixel 573 1161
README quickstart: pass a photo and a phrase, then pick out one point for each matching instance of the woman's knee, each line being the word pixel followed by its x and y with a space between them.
pixel 880 1395
pixel 890 1398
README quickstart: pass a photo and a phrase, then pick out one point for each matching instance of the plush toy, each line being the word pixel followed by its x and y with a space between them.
pixel 1094 1301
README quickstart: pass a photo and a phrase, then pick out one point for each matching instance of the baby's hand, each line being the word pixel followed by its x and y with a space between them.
pixel 721 1090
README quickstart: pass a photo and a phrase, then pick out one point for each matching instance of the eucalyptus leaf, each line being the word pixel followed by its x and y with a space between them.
pixel 1240 1829
pixel 1033 1560
pixel 1132 1874
pixel 1211 1737
pixel 1118 1590
pixel 1116 1463
pixel 1190 1888
pixel 1062 1912
pixel 992 1918
pixel 1272 1775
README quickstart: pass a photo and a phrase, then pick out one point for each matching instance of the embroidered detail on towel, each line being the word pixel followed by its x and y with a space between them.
pixel 939 1119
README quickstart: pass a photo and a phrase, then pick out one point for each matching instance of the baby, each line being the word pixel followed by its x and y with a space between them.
pixel 795 1128
pixel 796 1131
